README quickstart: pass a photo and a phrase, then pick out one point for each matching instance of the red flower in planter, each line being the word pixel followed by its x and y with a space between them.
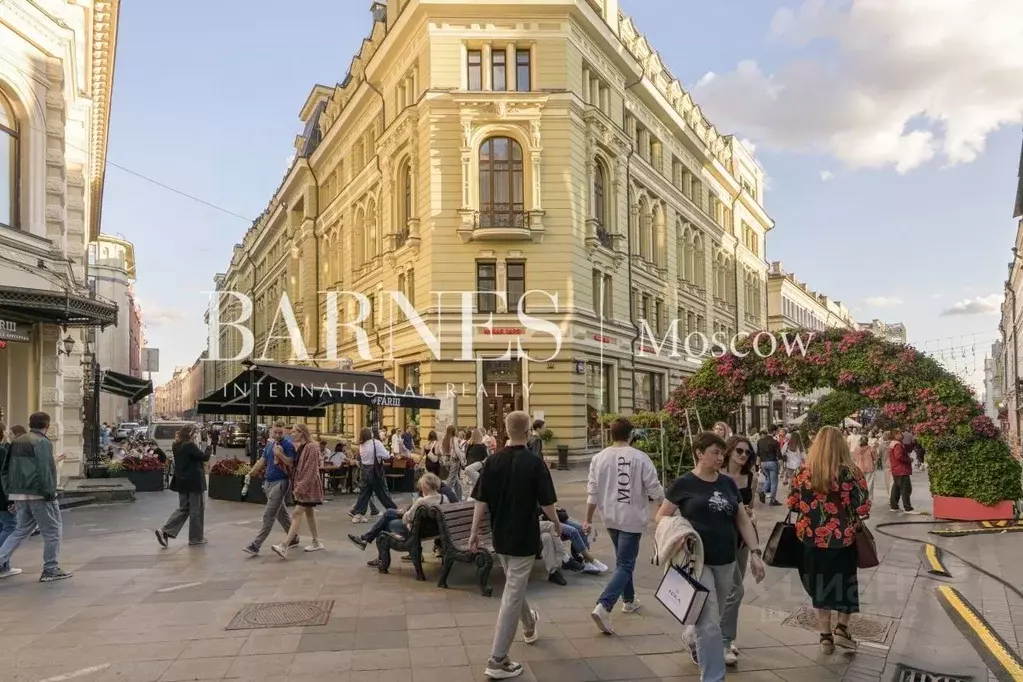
pixel 144 463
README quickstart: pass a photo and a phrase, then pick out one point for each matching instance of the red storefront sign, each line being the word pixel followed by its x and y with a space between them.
pixel 603 339
pixel 502 331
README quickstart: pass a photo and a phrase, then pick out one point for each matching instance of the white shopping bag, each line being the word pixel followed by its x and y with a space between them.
pixel 682 595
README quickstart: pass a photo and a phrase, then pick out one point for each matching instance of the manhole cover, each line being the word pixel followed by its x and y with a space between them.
pixel 866 628
pixel 283 614
pixel 907 674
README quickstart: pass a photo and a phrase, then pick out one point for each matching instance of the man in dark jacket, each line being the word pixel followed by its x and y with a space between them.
pixel 769 454
pixel 7 520
pixel 31 483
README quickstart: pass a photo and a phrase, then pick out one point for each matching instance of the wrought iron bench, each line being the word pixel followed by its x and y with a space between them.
pixel 424 527
pixel 454 521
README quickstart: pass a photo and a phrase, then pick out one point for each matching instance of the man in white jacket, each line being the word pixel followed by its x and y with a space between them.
pixel 621 484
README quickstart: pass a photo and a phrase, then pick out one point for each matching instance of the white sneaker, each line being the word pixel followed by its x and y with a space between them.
pixel 280 550
pixel 730 656
pixel 358 518
pixel 602 617
pixel 527 637
pixel 591 567
pixel 10 572
pixel 316 546
pixel 601 565
pixel 631 606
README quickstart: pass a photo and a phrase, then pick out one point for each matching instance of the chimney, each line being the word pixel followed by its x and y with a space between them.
pixel 776 267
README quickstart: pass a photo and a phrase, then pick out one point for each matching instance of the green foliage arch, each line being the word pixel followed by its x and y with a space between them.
pixel 965 454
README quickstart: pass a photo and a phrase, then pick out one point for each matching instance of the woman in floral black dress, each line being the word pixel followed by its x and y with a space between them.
pixel 830 497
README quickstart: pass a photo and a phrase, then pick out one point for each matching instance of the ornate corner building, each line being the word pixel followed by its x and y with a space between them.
pixel 538 154
pixel 56 74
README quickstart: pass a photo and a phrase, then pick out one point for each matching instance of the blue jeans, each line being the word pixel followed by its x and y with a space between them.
pixel 730 612
pixel 391 521
pixel 31 514
pixel 710 645
pixel 8 523
pixel 769 484
pixel 572 531
pixel 620 585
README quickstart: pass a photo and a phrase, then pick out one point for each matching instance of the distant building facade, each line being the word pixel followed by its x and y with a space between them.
pixel 112 275
pixel 792 305
pixel 891 331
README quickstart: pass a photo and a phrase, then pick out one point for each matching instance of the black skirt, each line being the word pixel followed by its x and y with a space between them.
pixel 829 578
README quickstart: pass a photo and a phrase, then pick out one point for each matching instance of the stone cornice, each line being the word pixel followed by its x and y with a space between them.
pixel 104 48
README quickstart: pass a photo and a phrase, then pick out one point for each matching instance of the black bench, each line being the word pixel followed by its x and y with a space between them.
pixel 424 527
pixel 454 522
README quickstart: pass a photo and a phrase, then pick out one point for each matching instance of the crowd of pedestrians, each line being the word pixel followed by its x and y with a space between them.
pixel 705 519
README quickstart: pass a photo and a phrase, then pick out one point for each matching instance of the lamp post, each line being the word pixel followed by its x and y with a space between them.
pixel 91 444
pixel 1015 346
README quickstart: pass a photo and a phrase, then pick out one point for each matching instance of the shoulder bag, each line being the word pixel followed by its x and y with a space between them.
pixel 783 549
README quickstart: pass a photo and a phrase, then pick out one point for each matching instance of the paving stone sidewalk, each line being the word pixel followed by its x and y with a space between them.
pixel 135 612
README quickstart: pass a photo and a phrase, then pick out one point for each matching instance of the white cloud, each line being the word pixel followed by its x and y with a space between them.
pixel 981 305
pixel 826 175
pixel 748 144
pixel 907 81
pixel 155 315
pixel 883 301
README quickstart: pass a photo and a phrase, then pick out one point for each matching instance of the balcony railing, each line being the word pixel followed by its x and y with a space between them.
pixel 501 217
pixel 605 238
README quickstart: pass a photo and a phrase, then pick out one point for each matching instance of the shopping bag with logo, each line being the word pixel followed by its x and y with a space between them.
pixel 682 595
pixel 784 550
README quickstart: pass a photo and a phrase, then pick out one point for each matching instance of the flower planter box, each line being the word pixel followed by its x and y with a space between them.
pixel 146 481
pixel 965 509
pixel 227 488
pixel 256 494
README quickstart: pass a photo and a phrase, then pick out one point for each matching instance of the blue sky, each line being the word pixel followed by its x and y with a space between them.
pixel 881 194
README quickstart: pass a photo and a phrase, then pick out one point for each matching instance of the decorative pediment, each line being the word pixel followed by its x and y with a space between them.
pixel 627 31
pixel 675 91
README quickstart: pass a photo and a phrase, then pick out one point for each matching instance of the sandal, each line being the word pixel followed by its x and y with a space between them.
pixel 827 643
pixel 843 638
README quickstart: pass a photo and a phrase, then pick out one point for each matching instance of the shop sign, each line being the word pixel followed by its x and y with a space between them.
pixel 12 331
pixel 502 331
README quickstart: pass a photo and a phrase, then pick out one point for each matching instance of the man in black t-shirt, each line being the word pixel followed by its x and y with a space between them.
pixel 513 482
pixel 769 454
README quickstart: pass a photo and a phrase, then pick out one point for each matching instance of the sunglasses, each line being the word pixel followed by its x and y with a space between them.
pixel 741 451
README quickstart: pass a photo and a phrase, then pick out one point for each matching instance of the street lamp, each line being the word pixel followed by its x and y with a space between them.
pixel 69 346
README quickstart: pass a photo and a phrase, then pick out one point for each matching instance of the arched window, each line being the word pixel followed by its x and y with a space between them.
pixel 406 194
pixel 699 262
pixel 501 184
pixel 600 196
pixel 10 161
pixel 682 253
pixel 645 229
pixel 359 238
pixel 659 239
pixel 371 231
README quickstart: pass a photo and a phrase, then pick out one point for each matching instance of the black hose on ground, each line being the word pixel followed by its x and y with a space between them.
pixel 989 574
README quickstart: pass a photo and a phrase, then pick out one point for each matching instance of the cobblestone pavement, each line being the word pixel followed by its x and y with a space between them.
pixel 135 612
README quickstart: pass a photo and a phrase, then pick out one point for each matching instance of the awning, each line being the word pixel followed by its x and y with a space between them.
pixel 290 390
pixel 35 305
pixel 125 385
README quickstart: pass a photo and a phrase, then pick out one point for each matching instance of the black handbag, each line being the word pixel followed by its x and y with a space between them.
pixel 784 549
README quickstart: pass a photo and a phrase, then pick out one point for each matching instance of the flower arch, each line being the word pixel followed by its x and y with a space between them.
pixel 965 454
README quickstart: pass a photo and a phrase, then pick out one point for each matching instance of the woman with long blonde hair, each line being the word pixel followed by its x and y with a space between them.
pixel 453 455
pixel 307 488
pixel 829 496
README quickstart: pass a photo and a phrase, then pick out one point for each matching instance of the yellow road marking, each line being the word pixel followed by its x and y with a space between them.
pixel 933 555
pixel 957 532
pixel 1006 658
pixel 986 524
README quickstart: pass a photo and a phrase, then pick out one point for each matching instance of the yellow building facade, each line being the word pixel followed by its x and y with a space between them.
pixel 536 153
